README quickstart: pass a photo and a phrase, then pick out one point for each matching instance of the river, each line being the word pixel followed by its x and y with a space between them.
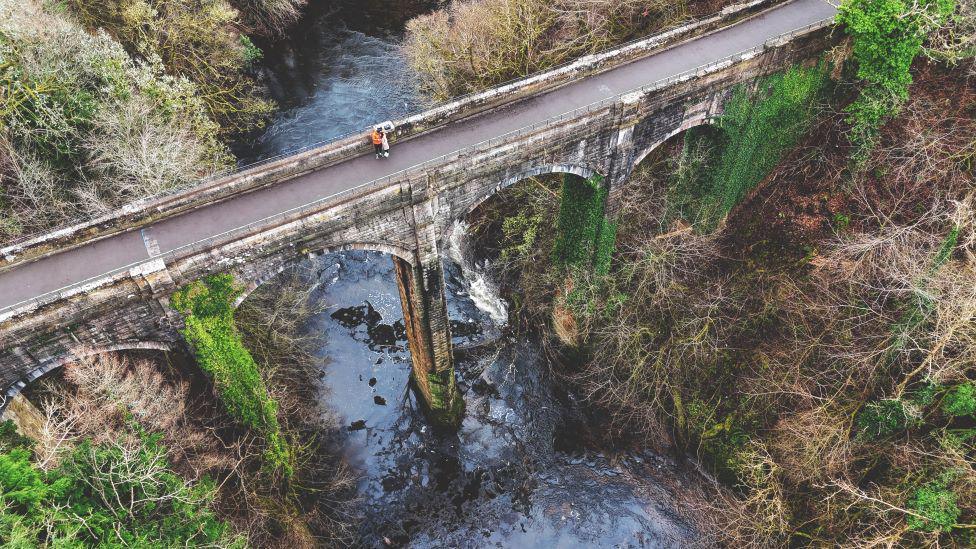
pixel 516 474
pixel 339 71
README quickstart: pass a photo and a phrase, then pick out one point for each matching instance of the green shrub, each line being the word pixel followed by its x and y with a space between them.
pixel 106 495
pixel 887 35
pixel 925 396
pixel 208 306
pixel 10 438
pixel 936 508
pixel 882 419
pixel 960 400
pixel 519 233
pixel 252 53
pixel 945 249
pixel 842 221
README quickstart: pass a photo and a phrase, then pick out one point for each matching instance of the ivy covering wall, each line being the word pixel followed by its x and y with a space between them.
pixel 210 330
pixel 759 125
pixel 585 237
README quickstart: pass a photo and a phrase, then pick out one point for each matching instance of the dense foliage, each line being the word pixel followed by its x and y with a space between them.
pixel 84 128
pixel 192 39
pixel 103 102
pixel 585 237
pixel 105 495
pixel 887 36
pixel 208 307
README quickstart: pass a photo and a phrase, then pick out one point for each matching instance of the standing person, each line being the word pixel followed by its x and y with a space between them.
pixel 386 146
pixel 378 138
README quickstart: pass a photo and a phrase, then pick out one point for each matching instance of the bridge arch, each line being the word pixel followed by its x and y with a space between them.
pixel 688 124
pixel 576 169
pixel 75 353
pixel 255 282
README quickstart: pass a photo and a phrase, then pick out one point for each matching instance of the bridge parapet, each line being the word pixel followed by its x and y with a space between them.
pixel 405 214
pixel 280 168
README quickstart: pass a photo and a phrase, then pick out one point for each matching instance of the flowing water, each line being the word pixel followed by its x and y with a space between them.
pixel 501 480
pixel 515 475
pixel 333 75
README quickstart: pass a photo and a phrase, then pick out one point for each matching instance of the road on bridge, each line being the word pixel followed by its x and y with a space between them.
pixel 58 271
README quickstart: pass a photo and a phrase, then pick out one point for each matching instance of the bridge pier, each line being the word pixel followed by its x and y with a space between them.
pixel 422 296
pixel 398 214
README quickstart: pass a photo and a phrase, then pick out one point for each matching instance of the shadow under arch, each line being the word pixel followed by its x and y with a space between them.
pixel 268 274
pixel 691 124
pixel 582 171
pixel 75 353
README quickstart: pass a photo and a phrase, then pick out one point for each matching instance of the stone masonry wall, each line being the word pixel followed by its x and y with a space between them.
pixel 407 219
pixel 149 210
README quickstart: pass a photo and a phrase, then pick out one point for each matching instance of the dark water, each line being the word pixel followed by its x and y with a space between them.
pixel 334 74
pixel 500 482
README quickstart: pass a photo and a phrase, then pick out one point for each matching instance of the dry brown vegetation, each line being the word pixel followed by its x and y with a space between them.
pixel 273 322
pixel 826 299
pixel 270 17
pixel 102 395
pixel 196 40
pixel 815 351
pixel 474 44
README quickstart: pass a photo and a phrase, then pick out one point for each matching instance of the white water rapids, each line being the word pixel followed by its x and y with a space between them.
pixel 482 291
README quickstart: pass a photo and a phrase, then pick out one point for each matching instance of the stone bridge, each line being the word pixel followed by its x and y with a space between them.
pixel 104 285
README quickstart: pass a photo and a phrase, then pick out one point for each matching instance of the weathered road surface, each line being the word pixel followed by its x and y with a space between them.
pixel 61 270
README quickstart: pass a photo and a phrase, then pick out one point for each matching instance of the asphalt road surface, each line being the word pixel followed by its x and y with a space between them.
pixel 59 271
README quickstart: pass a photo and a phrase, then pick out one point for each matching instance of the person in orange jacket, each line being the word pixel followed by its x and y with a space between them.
pixel 377 142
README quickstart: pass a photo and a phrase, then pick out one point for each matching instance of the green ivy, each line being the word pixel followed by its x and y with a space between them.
pixel 584 237
pixel 210 330
pixel 960 400
pixel 757 128
pixel 580 220
pixel 585 240
pixel 936 508
pixel 606 245
pixel 882 419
